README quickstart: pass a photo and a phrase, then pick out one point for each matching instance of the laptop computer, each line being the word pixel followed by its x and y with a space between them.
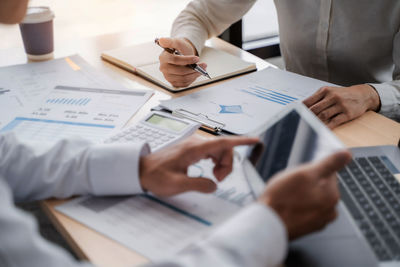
pixel 356 237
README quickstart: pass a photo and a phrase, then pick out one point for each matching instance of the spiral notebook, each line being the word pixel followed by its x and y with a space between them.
pixel 143 60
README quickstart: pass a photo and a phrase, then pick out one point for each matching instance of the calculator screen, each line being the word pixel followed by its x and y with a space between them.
pixel 167 123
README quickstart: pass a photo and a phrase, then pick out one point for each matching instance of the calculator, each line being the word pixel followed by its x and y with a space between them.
pixel 158 129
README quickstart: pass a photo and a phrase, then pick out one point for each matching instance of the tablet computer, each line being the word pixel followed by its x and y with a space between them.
pixel 293 137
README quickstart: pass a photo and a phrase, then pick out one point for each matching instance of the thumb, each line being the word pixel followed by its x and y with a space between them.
pixel 203 65
pixel 199 184
pixel 332 163
pixel 175 43
pixel 165 42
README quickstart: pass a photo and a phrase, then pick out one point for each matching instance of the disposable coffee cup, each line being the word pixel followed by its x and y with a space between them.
pixel 37 33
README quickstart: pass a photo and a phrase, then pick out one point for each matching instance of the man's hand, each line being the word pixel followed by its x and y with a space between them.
pixel 305 197
pixel 337 105
pixel 164 173
pixel 174 67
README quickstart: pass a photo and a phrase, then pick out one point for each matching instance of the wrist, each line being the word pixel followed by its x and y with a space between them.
pixel 192 46
pixel 374 99
pixel 143 168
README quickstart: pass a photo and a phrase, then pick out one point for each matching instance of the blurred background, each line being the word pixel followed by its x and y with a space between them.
pixel 76 20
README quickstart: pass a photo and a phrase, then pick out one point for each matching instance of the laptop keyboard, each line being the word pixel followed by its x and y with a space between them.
pixel 372 195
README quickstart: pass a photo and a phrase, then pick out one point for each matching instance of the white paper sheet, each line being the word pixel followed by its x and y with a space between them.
pixel 34 80
pixel 91 113
pixel 11 104
pixel 159 227
pixel 153 227
pixel 246 103
pixel 234 188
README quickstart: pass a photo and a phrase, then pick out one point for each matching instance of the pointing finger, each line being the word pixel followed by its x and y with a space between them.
pixel 331 164
pixel 203 185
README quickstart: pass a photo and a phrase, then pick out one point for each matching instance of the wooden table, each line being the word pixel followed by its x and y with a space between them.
pixel 370 129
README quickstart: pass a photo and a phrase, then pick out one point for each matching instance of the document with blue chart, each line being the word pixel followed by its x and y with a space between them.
pixel 66 111
pixel 161 227
pixel 62 98
pixel 244 104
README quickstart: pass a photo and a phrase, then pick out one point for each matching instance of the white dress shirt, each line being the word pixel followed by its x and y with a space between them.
pixel 346 42
pixel 254 237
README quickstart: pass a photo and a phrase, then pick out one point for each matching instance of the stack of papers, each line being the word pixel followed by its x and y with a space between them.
pixel 160 227
pixel 64 98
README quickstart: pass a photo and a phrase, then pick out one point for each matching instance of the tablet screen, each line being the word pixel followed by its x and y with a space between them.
pixel 292 140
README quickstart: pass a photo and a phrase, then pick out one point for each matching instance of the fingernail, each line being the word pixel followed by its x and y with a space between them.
pixel 195 60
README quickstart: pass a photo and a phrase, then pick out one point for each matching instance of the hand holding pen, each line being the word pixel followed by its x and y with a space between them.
pixel 178 62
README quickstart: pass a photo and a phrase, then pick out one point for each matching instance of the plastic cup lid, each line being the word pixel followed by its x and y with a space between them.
pixel 38 14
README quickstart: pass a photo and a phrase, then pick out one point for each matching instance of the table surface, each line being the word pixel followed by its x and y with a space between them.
pixel 370 129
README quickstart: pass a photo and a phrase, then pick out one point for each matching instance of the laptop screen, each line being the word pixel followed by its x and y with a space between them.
pixel 292 140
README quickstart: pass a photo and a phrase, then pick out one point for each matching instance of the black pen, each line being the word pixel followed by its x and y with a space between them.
pixel 192 66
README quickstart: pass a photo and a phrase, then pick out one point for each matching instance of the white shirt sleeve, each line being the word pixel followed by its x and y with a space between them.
pixel 389 92
pixel 254 237
pixel 70 167
pixel 203 19
pixel 21 244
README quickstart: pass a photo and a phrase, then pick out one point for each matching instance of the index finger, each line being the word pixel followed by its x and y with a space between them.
pixel 218 146
pixel 172 43
pixel 182 60
pixel 316 97
pixel 332 164
pixel 224 143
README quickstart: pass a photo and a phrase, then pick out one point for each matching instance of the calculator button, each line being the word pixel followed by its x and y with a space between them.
pixel 139 126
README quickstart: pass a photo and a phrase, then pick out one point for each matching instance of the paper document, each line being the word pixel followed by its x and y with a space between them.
pixel 244 104
pixel 11 104
pixel 161 227
pixel 91 113
pixel 34 80
pixel 148 225
pixel 23 88
pixel 233 189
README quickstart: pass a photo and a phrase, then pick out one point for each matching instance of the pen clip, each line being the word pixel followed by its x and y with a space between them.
pixel 206 122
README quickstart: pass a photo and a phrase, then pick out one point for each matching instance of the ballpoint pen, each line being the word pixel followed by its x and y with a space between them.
pixel 192 66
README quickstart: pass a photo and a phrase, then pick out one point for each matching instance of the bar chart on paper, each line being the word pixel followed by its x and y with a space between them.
pixel 66 111
pixel 269 95
pixel 69 101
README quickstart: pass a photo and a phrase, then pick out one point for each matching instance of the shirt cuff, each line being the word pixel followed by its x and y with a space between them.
pixel 114 168
pixel 257 235
pixel 197 41
pixel 387 98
